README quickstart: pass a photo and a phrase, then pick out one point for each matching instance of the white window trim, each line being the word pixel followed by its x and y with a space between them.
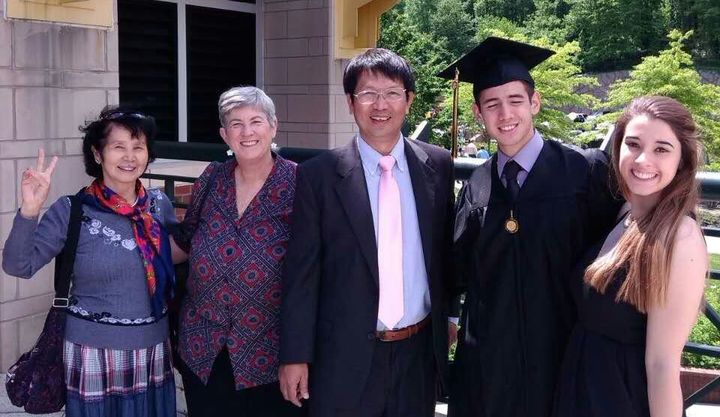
pixel 255 9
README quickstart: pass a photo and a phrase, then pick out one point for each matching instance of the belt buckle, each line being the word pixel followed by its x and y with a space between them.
pixel 61 302
pixel 380 335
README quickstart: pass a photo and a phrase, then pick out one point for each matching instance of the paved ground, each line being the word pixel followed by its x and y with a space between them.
pixel 7 409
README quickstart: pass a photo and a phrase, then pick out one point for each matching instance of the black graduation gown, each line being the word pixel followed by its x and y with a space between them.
pixel 519 310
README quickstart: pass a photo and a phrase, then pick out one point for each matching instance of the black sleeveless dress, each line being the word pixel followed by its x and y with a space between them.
pixel 603 371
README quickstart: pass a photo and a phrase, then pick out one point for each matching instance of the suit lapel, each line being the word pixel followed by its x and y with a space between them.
pixel 423 178
pixel 353 196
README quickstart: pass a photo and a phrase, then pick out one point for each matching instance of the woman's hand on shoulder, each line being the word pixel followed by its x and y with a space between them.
pixel 35 185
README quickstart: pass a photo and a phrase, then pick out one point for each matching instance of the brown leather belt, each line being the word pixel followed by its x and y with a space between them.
pixel 402 334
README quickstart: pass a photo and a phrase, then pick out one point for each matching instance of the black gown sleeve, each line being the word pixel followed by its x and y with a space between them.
pixel 604 200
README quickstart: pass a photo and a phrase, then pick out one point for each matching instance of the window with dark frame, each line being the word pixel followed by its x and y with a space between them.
pixel 147 48
pixel 220 53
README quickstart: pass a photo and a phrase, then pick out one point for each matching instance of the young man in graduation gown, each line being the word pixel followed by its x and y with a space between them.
pixel 363 328
pixel 523 220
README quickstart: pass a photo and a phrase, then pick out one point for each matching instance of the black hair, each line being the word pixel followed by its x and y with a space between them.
pixel 96 133
pixel 378 60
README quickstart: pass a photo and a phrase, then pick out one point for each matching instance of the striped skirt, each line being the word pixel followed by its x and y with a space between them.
pixel 119 383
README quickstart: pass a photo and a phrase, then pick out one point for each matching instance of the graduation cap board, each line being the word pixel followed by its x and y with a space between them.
pixel 495 61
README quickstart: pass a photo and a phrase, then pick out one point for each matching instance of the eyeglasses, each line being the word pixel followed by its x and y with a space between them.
pixel 391 95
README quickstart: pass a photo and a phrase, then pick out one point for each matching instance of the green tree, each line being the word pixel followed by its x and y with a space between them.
pixel 453 28
pixel 548 20
pixel 703 18
pixel 514 10
pixel 400 35
pixel 419 13
pixel 616 33
pixel 558 79
pixel 672 73
pixel 497 26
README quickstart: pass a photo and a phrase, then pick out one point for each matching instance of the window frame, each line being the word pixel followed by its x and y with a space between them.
pixel 250 8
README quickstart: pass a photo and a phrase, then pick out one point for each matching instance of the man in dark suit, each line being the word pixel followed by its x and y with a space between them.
pixel 364 328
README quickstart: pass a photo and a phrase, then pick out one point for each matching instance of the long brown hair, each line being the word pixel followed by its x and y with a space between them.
pixel 645 249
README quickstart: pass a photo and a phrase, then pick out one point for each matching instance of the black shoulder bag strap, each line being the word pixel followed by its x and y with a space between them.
pixel 65 260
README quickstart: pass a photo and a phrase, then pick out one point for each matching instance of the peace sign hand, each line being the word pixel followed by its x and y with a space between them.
pixel 35 185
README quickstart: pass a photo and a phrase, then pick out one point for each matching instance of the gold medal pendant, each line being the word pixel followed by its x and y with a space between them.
pixel 511 224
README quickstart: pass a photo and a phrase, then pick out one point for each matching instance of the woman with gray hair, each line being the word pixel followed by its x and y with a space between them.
pixel 235 233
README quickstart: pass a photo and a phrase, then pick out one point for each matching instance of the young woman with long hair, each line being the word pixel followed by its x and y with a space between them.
pixel 644 283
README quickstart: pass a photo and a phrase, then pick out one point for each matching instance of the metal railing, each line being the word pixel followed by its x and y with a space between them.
pixel 709 189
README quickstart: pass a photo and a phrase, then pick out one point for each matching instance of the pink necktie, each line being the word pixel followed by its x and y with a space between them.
pixel 391 307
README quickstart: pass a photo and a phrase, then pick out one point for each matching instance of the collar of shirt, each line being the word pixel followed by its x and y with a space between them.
pixel 525 158
pixel 371 158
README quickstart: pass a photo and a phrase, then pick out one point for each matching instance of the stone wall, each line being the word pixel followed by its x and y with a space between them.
pixel 52 78
pixel 605 79
pixel 302 77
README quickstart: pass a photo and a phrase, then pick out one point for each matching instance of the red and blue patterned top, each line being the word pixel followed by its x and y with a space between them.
pixel 233 290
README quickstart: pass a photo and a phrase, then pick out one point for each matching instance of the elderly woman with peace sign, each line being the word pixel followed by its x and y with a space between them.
pixel 116 354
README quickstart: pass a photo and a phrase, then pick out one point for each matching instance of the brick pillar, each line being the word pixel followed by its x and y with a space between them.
pixel 302 76
pixel 52 79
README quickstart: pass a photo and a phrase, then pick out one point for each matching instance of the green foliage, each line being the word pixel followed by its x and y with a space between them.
pixel 616 33
pixel 704 331
pixel 711 167
pixel 671 73
pixel 452 28
pixel 548 20
pixel 703 18
pixel 557 81
pixel 516 11
pixel 399 35
pixel 419 13
pixel 489 25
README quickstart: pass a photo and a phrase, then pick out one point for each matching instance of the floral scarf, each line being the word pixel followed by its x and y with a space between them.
pixel 150 236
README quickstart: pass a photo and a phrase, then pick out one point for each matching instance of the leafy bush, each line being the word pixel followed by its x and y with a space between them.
pixel 704 332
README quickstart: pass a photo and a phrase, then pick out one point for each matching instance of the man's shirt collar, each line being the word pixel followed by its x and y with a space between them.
pixel 371 158
pixel 526 157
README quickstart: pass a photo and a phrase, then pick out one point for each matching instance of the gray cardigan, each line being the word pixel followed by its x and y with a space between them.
pixel 109 287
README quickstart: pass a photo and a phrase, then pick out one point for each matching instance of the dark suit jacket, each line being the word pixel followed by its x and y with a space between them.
pixel 330 280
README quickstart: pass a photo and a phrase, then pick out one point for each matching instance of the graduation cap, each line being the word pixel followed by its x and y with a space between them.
pixel 497 61
pixel 494 62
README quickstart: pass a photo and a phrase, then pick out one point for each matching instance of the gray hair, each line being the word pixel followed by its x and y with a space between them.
pixel 246 96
